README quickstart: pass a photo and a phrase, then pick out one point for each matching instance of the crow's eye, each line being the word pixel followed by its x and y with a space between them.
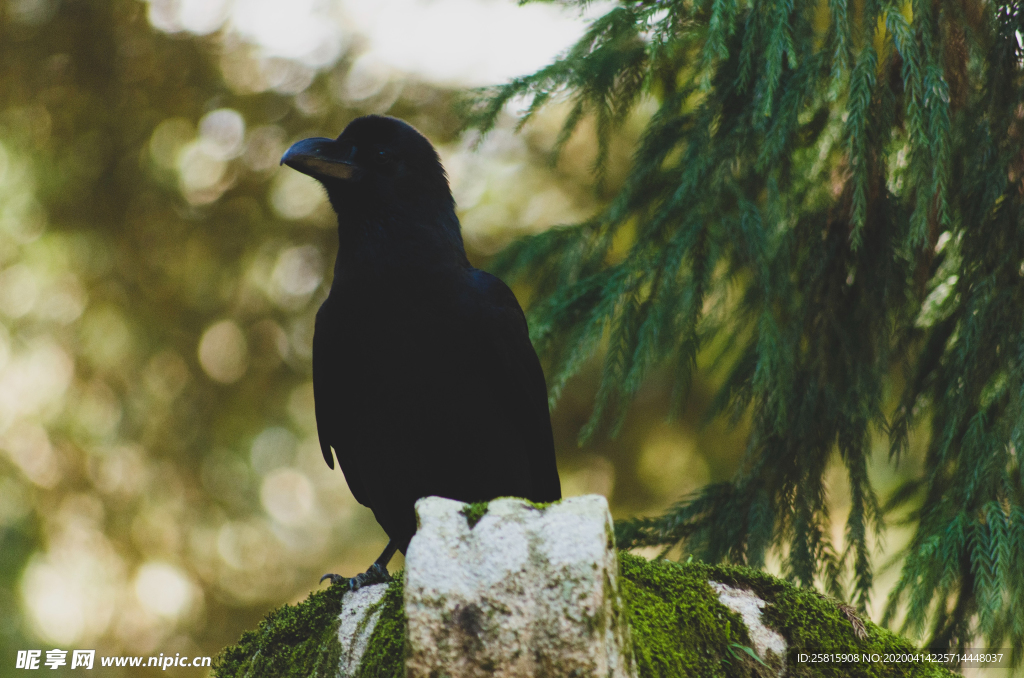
pixel 383 157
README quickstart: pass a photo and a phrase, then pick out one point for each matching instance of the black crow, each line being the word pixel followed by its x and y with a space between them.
pixel 424 378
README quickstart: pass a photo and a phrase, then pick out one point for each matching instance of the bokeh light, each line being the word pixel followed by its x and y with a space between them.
pixel 223 352
pixel 288 496
pixel 296 196
pixel 164 590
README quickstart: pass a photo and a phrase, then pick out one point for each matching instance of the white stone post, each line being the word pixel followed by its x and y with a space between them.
pixel 524 592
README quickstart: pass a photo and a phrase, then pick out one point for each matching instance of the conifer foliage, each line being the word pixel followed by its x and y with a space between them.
pixel 828 199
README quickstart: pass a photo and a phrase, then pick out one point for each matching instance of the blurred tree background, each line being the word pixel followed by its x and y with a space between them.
pixel 161 486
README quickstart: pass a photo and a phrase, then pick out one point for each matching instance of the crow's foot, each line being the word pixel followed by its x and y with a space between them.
pixel 377 574
pixel 335 579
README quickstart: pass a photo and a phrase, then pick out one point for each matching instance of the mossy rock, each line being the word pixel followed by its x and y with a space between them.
pixel 301 641
pixel 679 628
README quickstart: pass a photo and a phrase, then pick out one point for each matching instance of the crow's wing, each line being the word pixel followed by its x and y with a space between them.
pixel 330 397
pixel 518 373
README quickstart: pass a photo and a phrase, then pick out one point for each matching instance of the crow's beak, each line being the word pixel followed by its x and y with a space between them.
pixel 315 158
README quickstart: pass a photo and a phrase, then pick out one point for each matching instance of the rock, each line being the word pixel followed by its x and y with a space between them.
pixel 360 611
pixel 524 591
pixel 528 591
pixel 748 606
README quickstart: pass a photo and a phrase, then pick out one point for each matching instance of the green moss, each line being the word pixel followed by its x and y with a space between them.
pixel 302 640
pixel 293 640
pixel 679 629
pixel 385 650
pixel 474 512
pixel 812 623
pixel 540 506
pixel 678 626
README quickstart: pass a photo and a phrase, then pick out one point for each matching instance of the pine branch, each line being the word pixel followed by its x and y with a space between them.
pixel 832 201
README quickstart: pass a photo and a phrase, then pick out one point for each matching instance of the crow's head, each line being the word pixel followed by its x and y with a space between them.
pixel 379 166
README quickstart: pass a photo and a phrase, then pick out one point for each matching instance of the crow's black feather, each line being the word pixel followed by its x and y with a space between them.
pixel 424 378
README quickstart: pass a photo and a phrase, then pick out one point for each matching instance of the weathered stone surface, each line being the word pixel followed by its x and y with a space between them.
pixel 685 621
pixel 356 623
pixel 748 606
pixel 524 592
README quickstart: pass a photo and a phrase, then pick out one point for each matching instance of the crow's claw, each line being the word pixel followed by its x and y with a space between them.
pixel 335 579
pixel 377 574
